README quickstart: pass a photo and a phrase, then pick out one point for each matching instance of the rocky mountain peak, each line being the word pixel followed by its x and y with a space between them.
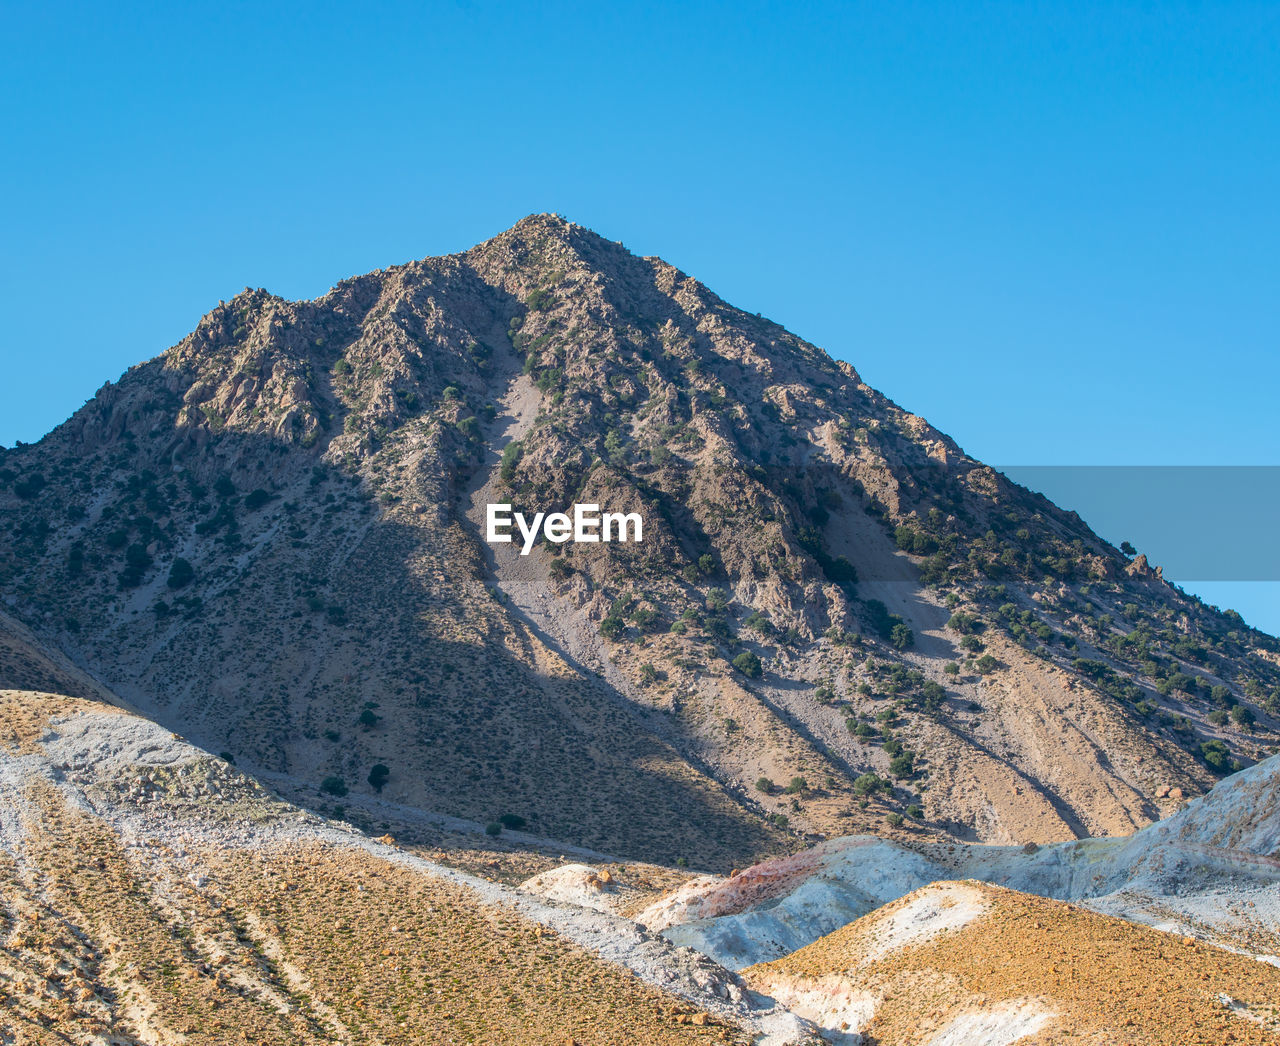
pixel 269 538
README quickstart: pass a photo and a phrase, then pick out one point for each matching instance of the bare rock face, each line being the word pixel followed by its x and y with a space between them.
pixel 1140 568
pixel 268 538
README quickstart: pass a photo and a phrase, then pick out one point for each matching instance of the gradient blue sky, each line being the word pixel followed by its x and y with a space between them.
pixel 1052 229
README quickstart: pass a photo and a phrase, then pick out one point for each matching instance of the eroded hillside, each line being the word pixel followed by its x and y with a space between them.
pixel 268 539
pixel 153 894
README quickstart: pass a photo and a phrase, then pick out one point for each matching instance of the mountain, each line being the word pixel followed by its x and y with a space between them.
pixel 270 539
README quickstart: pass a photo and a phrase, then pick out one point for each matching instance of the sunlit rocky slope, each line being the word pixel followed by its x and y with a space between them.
pixel 268 539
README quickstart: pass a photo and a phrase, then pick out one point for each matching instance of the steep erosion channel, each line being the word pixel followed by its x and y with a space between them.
pixel 556 630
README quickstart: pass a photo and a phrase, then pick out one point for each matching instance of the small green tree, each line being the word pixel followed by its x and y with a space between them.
pixel 748 664
pixel 764 784
pixel 797 785
pixel 379 776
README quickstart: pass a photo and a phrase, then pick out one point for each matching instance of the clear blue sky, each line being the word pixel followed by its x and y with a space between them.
pixel 1052 229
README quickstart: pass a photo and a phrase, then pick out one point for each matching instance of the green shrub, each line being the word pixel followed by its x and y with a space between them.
pixel 540 300
pixel 902 766
pixel 901 636
pixel 1216 755
pixel 718 628
pixel 986 664
pixel 513 822
pixel 894 820
pixel 136 563
pixel 379 775
pixel 796 785
pixel 510 459
pixel 334 786
pixel 867 784
pixel 764 784
pixel 748 664
pixel 882 623
pixel 493 829
pixel 181 573
pixel 916 812
pixel 914 541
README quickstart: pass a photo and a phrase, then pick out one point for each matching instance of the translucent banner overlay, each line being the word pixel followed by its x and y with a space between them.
pixel 1197 522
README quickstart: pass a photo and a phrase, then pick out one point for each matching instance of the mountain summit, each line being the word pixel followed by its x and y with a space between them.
pixel 270 539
